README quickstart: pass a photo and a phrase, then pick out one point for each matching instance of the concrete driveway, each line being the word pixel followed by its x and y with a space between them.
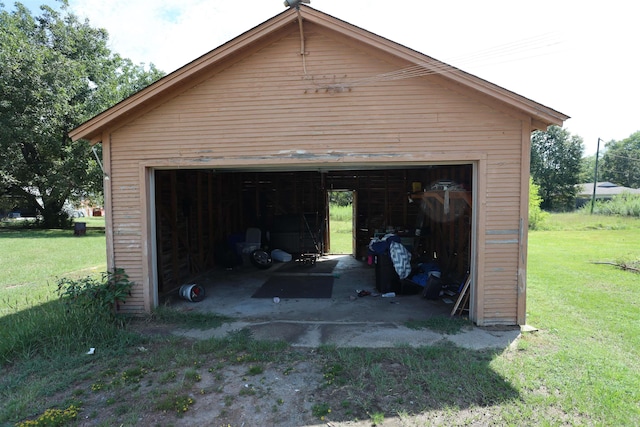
pixel 344 320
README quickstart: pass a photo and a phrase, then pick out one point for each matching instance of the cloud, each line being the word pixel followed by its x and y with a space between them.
pixel 170 33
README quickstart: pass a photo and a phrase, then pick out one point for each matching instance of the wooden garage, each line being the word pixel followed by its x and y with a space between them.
pixel 255 134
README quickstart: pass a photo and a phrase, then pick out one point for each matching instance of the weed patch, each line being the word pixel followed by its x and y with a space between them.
pixel 178 403
pixel 187 320
pixel 445 325
pixel 53 418
pixel 97 297
pixel 321 410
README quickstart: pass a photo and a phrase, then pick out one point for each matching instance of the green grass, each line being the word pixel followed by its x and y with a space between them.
pixel 626 204
pixel 341 229
pixel 31 261
pixel 445 325
pixel 586 358
pixel 573 221
pixel 92 221
pixel 195 320
pixel 580 368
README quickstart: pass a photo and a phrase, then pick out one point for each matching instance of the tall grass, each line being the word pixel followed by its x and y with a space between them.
pixel 52 330
pixel 33 320
pixel 582 221
pixel 341 213
pixel 625 204
pixel 84 313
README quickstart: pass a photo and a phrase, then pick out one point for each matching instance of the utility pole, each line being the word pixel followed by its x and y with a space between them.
pixel 595 178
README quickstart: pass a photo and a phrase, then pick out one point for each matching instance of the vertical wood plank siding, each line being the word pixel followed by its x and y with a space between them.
pixel 265 106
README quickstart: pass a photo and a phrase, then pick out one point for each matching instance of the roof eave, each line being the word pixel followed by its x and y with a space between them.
pixel 92 129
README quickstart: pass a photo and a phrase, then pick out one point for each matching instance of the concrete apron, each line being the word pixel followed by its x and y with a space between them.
pixel 344 320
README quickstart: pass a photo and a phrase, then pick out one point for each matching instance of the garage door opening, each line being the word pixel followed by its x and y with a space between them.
pixel 201 217
pixel 341 226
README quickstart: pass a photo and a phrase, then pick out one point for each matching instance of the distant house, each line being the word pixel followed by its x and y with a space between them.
pixel 604 191
pixel 255 132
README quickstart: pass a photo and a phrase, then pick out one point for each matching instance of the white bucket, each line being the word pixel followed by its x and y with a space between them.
pixel 280 255
pixel 193 292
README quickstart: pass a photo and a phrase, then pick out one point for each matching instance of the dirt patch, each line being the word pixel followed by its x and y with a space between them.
pixel 230 395
pixel 272 398
pixel 181 381
pixel 212 391
pixel 290 395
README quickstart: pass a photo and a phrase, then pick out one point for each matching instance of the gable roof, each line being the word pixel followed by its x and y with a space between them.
pixel 192 73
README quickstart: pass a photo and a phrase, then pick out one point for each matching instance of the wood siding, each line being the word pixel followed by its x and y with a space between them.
pixel 265 112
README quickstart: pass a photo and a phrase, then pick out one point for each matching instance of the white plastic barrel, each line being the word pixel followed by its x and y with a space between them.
pixel 192 292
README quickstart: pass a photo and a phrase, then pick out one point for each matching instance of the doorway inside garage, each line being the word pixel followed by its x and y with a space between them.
pixel 341 224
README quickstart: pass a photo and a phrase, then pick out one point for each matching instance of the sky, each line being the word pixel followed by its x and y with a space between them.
pixel 581 58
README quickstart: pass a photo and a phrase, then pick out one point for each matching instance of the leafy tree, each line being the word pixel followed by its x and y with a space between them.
pixel 555 167
pixel 341 198
pixel 587 168
pixel 536 214
pixel 621 161
pixel 55 73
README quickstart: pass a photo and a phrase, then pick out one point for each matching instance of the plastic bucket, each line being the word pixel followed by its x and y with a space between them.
pixel 193 292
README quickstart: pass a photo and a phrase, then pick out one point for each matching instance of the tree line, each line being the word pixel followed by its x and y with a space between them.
pixel 558 165
pixel 57 71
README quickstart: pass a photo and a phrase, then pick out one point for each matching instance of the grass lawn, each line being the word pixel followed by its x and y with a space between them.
pixel 96 222
pixel 580 368
pixel 341 229
pixel 31 261
pixel 585 360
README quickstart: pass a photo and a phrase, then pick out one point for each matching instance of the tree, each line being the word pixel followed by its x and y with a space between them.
pixel 536 214
pixel 341 198
pixel 55 73
pixel 555 167
pixel 587 168
pixel 621 162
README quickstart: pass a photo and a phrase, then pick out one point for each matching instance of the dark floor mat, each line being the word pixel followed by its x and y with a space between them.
pixel 297 267
pixel 286 286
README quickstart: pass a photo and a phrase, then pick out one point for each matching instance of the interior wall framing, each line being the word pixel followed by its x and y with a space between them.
pixel 200 213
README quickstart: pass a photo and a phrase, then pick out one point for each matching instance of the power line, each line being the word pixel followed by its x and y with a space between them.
pixel 481 58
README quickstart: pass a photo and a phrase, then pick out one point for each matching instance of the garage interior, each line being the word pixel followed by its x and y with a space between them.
pixel 202 217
